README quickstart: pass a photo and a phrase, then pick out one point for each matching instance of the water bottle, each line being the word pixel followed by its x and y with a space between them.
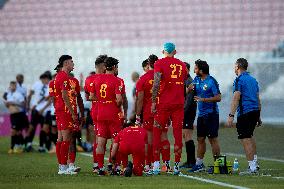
pixel 236 166
pixel 216 169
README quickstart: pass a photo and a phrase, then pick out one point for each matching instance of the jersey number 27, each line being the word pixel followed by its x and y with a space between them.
pixel 176 68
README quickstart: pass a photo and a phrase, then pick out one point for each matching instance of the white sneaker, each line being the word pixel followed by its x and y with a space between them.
pixel 74 168
pixel 147 168
pixel 65 170
pixel 257 165
pixel 156 170
pixel 61 169
pixel 61 172
pixel 70 172
pixel 176 170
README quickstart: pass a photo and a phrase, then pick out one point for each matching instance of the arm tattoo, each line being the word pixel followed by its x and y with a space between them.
pixel 156 86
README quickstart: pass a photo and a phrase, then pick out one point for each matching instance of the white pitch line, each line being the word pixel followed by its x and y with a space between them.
pixel 278 177
pixel 191 177
pixel 213 182
pixel 262 158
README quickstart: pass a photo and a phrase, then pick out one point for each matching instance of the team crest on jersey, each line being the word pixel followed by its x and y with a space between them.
pixel 120 88
pixel 65 83
pixel 91 84
pixel 205 87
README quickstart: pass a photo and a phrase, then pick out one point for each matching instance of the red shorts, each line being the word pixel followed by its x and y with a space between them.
pixel 107 128
pixel 119 125
pixel 148 123
pixel 64 121
pixel 167 112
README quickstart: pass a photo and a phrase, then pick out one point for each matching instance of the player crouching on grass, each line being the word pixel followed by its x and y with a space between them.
pixel 107 91
pixel 131 140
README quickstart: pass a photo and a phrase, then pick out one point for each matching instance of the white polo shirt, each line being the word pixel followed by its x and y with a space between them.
pixel 17 98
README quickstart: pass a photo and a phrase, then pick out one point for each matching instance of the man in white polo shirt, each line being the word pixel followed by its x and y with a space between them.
pixel 15 102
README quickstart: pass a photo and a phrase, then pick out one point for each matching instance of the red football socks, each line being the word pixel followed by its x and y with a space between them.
pixel 156 143
pixel 165 150
pixel 149 158
pixel 64 152
pixel 178 143
pixel 100 158
pixel 177 151
pixel 72 157
pixel 58 149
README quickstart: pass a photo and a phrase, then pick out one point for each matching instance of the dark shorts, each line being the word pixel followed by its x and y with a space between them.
pixel 89 120
pixel 189 117
pixel 36 118
pixel 208 125
pixel 53 121
pixel 246 124
pixel 48 119
pixel 19 121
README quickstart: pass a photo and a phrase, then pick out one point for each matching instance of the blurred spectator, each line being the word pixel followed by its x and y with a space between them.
pixel 134 77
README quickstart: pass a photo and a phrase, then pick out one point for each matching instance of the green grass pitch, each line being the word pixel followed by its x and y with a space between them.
pixel 35 170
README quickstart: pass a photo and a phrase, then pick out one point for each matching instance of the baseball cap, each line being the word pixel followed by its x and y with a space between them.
pixel 169 47
pixel 61 60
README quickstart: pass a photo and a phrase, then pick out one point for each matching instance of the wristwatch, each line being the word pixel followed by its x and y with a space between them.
pixel 231 115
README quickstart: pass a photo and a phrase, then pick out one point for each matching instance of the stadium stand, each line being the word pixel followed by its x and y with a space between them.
pixel 33 33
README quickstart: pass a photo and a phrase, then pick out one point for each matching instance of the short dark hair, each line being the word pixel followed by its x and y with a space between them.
pixel 92 73
pixel 152 59
pixel 100 59
pixel 110 62
pixel 13 83
pixel 44 76
pixel 20 75
pixel 145 63
pixel 187 65
pixel 129 124
pixel 63 58
pixel 242 63
pixel 48 73
pixel 202 65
